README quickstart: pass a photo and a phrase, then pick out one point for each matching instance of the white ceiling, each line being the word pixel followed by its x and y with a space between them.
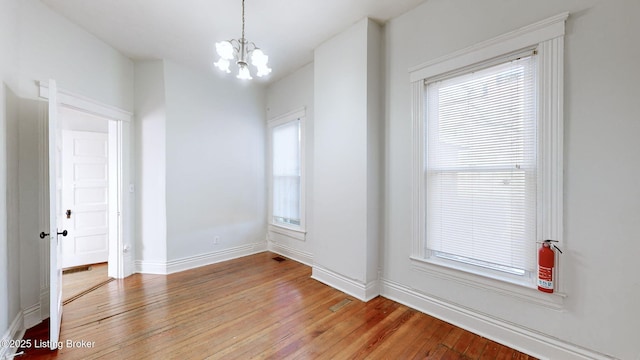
pixel 185 31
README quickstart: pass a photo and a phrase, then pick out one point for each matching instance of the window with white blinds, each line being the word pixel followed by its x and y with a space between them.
pixel 481 166
pixel 487 160
pixel 286 171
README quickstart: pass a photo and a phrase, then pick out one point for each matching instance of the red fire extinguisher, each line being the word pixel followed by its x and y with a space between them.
pixel 546 262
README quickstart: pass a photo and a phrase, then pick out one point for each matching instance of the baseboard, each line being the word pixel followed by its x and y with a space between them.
pixel 294 254
pixel 517 337
pixel 192 262
pixel 196 261
pixel 32 316
pixel 14 332
pixel 359 290
pixel 149 267
pixel 45 303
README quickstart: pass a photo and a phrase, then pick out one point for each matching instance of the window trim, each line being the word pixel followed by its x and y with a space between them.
pixel 547 38
pixel 289 230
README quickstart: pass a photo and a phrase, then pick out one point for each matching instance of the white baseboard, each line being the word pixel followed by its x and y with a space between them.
pixel 14 332
pixel 517 337
pixel 32 316
pixel 359 290
pixel 44 303
pixel 196 261
pixel 148 267
pixel 192 262
pixel 294 254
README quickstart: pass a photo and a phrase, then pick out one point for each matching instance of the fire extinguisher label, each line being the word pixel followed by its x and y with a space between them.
pixel 545 279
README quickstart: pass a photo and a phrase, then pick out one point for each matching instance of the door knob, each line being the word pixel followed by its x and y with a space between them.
pixel 68 213
pixel 63 233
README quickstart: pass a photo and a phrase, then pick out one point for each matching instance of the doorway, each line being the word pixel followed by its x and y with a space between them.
pixel 84 201
pixel 120 216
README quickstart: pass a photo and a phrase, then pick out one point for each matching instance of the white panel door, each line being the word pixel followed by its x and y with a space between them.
pixel 55 270
pixel 85 210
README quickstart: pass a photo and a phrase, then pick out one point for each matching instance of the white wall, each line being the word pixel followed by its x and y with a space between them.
pixel 150 130
pixel 201 146
pixel 9 248
pixel 38 44
pixel 345 160
pixel 9 231
pixel 601 313
pixel 375 150
pixel 13 241
pixel 33 255
pixel 215 173
pixel 53 47
pixel 293 92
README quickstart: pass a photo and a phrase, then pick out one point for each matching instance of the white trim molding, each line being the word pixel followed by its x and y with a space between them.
pixel 286 117
pixel 297 255
pixel 85 104
pixel 523 339
pixel 44 303
pixel 32 315
pixel 192 262
pixel 284 231
pixel 150 267
pixel 524 37
pixel 498 285
pixel 355 288
pixel 14 333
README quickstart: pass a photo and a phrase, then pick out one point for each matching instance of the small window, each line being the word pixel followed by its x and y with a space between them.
pixel 287 175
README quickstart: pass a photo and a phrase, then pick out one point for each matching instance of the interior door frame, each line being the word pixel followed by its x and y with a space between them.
pixel 55 270
pixel 120 239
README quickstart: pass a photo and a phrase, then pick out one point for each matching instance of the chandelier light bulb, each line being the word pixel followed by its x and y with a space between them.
pixel 225 50
pixel 243 73
pixel 263 71
pixel 259 58
pixel 223 65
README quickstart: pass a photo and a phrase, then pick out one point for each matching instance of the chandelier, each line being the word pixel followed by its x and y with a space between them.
pixel 241 50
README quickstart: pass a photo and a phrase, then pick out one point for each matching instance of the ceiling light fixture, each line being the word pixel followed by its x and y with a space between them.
pixel 240 50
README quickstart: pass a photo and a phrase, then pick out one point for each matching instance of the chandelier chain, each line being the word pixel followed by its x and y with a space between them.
pixel 243 20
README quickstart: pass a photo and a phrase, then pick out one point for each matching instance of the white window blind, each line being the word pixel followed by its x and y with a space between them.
pixel 286 173
pixel 480 161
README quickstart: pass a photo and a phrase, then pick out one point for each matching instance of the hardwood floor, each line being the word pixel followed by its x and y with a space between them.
pixel 77 283
pixel 252 307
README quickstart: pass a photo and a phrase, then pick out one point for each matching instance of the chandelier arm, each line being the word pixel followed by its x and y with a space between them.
pixel 236 44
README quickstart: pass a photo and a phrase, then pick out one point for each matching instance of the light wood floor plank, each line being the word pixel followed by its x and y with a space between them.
pixel 251 308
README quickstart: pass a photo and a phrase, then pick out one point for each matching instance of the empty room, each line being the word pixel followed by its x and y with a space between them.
pixel 379 179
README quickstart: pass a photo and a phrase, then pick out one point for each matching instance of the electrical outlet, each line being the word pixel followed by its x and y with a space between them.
pixel 216 240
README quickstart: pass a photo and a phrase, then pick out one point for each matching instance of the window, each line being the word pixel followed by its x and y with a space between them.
pixel 480 166
pixel 287 181
pixel 487 161
pixel 286 173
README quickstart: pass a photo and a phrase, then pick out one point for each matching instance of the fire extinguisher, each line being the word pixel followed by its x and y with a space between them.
pixel 546 262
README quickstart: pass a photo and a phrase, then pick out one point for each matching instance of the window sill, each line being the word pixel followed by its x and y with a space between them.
pixel 502 285
pixel 295 233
